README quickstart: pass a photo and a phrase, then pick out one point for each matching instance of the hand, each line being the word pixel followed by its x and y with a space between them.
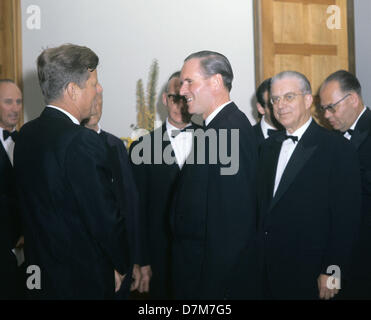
pixel 146 273
pixel 136 277
pixel 118 280
pixel 20 243
pixel 324 292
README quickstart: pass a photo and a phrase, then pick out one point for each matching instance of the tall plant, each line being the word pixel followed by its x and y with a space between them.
pixel 146 106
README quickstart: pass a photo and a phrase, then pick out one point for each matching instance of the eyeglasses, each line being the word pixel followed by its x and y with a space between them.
pixel 175 98
pixel 288 97
pixel 331 107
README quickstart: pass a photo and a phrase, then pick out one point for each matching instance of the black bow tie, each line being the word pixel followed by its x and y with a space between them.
pixel 350 131
pixel 7 134
pixel 174 132
pixel 282 138
pixel 272 132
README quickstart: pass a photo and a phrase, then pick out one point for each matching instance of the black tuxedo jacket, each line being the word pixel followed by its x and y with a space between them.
pixel 156 185
pixel 258 133
pixel 73 229
pixel 214 218
pixel 361 139
pixel 313 219
pixel 10 228
pixel 127 195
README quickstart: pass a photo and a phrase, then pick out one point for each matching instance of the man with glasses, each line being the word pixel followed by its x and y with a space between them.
pixel 156 184
pixel 309 199
pixel 268 125
pixel 343 107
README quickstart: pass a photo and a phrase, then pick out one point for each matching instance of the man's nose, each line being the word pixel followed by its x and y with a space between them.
pixel 183 90
pixel 327 114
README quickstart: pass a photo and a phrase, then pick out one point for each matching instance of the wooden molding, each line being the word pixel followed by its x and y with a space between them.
pixel 307 2
pixel 305 49
pixel 351 36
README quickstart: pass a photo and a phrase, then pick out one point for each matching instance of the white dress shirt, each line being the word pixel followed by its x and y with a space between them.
pixel 346 134
pixel 287 149
pixel 69 115
pixel 215 112
pixel 8 145
pixel 181 143
pixel 265 126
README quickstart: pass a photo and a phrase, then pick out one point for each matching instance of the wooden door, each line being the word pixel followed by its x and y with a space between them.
pixel 301 35
pixel 11 42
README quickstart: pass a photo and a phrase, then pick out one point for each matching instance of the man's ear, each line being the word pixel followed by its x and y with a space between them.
pixel 354 99
pixel 72 90
pixel 260 108
pixel 308 98
pixel 217 81
pixel 164 99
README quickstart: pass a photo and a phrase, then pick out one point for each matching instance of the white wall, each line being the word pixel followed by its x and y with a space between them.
pixel 362 17
pixel 127 35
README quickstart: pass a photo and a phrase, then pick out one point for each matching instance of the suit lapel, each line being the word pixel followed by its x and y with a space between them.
pixel 299 158
pixel 362 129
pixel 269 172
pixel 4 158
pixel 165 145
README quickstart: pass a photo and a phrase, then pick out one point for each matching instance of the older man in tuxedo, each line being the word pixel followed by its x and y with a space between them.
pixel 343 106
pixel 74 231
pixel 309 199
pixel 214 212
pixel 10 226
pixel 156 185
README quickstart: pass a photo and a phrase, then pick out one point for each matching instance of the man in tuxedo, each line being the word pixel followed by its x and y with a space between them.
pixel 10 225
pixel 267 125
pixel 126 193
pixel 74 231
pixel 156 184
pixel 343 107
pixel 309 199
pixel 214 212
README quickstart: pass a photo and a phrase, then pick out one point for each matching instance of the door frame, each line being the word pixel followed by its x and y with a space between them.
pixel 258 40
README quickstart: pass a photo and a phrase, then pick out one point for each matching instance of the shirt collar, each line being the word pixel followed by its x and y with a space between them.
pixel 2 129
pixel 170 127
pixel 265 126
pixel 215 112
pixel 99 129
pixel 73 119
pixel 2 135
pixel 355 122
pixel 299 132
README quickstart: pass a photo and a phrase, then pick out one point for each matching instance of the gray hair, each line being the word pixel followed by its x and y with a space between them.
pixel 305 86
pixel 57 67
pixel 214 63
